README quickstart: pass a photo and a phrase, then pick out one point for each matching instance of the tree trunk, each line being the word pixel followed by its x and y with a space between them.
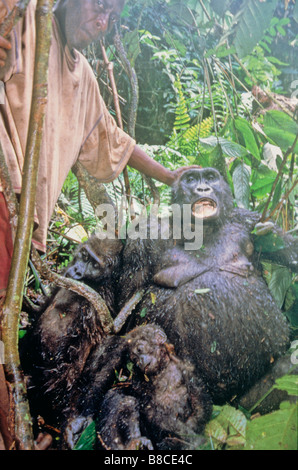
pixel 22 245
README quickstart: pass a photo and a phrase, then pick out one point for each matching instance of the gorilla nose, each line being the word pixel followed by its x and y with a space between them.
pixel 203 188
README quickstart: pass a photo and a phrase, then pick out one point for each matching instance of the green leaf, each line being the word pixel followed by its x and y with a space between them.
pixel 281 128
pixel 274 431
pixel 229 148
pixel 22 333
pixel 228 428
pixel 252 24
pixel 182 117
pixel 282 138
pixel 279 284
pixel 241 179
pixel 295 12
pixel 132 46
pixel 223 51
pixel 280 120
pixel 87 439
pixel 217 160
pixel 262 187
pixel 291 304
pixel 234 420
pixel 269 243
pixel 288 383
pixel 216 432
pixel 178 45
pixel 143 312
pixel 247 133
pixel 219 6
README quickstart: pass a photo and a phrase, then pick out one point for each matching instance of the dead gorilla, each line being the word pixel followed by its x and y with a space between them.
pixel 165 401
pixel 68 329
pixel 213 303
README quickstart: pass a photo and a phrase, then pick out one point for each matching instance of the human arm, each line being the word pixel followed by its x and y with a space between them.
pixel 140 161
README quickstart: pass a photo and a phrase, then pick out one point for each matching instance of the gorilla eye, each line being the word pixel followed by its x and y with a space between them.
pixel 140 348
pixel 211 176
pixel 85 255
pixel 190 179
pixel 95 265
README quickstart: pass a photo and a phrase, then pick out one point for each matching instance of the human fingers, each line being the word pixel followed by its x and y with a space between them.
pixel 4 43
pixel 4 46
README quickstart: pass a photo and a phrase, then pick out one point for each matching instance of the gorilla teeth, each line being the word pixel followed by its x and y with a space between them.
pixel 204 208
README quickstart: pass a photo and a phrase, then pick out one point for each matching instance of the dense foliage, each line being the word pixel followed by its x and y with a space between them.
pixel 216 87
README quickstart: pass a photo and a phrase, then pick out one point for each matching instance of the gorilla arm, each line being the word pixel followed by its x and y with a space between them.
pixel 276 246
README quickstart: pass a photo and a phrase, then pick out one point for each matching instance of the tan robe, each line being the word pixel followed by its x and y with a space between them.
pixel 77 122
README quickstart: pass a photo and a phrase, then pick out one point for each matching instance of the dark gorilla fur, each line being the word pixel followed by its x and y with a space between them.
pixel 165 401
pixel 212 303
pixel 68 328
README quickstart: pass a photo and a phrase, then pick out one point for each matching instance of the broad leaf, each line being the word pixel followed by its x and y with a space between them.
pixel 241 178
pixel 279 284
pixel 281 128
pixel 229 148
pixel 262 186
pixel 282 138
pixel 252 24
pixel 269 243
pixel 219 6
pixel 280 120
pixel 275 431
pixel 228 428
pixel 132 46
pixel 217 160
pixel 288 383
pixel 246 131
pixel 278 278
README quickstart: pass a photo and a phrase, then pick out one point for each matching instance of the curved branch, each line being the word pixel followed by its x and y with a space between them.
pixel 79 288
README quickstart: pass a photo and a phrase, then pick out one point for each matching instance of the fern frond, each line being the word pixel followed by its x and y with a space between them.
pixel 182 117
pixel 202 130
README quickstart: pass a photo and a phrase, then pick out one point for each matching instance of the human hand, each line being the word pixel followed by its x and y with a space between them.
pixel 176 174
pixel 4 46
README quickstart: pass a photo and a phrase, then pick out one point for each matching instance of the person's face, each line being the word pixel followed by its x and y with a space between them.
pixel 87 20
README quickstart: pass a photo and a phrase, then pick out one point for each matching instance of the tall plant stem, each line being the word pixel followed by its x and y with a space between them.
pixel 13 301
pixel 110 68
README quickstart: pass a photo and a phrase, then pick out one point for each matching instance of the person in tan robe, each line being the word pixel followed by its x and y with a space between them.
pixel 77 123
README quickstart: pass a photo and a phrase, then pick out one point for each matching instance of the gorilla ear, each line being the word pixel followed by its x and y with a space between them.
pixel 160 336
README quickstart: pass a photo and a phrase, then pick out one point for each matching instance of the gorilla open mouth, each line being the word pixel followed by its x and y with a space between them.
pixel 204 208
